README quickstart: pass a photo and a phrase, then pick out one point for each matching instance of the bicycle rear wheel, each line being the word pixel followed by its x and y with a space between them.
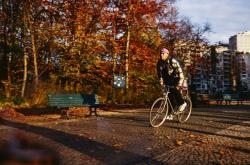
pixel 158 112
pixel 184 116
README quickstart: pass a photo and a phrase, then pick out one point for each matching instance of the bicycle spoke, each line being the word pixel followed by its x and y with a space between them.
pixel 161 109
pixel 156 116
pixel 158 112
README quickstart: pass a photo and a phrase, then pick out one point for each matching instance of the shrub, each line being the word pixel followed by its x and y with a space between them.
pixel 18 101
pixel 3 99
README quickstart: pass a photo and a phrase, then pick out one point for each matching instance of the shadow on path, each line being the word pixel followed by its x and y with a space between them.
pixel 102 152
pixel 133 120
pixel 210 133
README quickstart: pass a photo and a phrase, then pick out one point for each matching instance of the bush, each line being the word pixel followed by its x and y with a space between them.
pixel 3 99
pixel 18 101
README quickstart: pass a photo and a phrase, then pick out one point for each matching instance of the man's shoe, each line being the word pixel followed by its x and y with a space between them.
pixel 169 117
pixel 182 107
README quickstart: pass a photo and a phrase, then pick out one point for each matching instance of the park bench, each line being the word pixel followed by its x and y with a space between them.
pixel 64 102
pixel 227 98
pixel 216 98
pixel 230 97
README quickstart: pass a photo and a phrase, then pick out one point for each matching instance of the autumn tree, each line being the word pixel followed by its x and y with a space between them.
pixel 10 54
pixel 79 45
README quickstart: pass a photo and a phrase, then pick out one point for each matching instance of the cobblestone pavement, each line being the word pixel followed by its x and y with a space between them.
pixel 213 135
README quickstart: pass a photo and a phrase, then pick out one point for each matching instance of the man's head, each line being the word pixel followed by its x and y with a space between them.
pixel 164 53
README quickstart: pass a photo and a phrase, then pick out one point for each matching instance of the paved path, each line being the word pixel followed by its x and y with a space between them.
pixel 211 136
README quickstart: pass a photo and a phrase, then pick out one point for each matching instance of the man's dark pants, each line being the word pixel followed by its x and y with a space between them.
pixel 176 97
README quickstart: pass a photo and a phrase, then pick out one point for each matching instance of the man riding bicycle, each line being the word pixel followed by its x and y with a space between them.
pixel 170 74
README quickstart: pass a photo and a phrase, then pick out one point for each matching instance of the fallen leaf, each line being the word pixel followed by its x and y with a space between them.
pixel 203 141
pixel 179 142
pixel 168 137
pixel 118 145
pixel 222 152
pixel 181 130
pixel 192 136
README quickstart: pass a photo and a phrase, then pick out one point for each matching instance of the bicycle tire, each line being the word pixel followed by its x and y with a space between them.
pixel 158 112
pixel 184 116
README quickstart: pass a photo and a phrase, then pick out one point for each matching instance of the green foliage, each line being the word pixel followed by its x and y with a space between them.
pixel 18 101
pixel 3 99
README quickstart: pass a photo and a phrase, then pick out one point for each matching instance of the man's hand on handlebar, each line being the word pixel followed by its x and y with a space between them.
pixel 161 82
pixel 179 87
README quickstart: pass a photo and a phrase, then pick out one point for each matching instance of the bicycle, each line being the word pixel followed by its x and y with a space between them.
pixel 160 108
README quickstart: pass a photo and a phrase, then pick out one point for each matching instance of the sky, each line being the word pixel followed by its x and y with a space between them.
pixel 226 17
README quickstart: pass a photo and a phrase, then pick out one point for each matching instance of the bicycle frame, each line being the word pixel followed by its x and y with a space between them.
pixel 166 93
pixel 162 107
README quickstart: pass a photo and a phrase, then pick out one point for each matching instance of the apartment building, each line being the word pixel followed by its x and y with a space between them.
pixel 232 68
pixel 226 68
pixel 239 45
pixel 232 72
pixel 221 80
pixel 195 62
pixel 240 42
pixel 200 79
pixel 243 71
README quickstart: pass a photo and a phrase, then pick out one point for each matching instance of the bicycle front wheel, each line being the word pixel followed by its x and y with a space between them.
pixel 158 112
pixel 184 116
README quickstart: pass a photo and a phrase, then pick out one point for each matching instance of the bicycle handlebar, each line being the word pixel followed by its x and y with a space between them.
pixel 167 86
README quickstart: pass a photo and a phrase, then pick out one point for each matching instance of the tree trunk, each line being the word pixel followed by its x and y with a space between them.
pixel 5 75
pixel 34 53
pixel 25 56
pixel 127 58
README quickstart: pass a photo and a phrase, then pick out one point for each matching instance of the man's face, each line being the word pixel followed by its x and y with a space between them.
pixel 164 56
